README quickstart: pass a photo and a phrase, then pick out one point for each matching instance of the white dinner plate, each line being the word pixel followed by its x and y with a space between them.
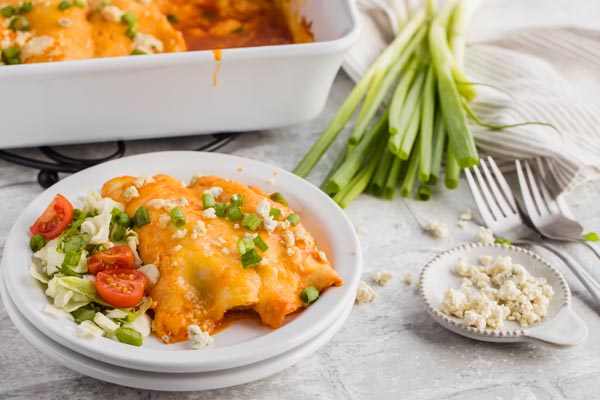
pixel 245 342
pixel 167 382
pixel 560 327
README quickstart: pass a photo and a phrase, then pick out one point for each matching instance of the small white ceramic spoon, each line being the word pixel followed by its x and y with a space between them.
pixel 561 327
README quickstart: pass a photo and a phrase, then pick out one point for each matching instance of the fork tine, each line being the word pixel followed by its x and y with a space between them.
pixel 535 191
pixel 527 199
pixel 479 201
pixel 491 202
pixel 504 206
pixel 550 201
pixel 508 194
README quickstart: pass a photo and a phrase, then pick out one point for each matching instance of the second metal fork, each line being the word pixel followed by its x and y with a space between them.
pixel 498 208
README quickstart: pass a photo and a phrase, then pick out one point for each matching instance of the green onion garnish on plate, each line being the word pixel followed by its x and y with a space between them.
pixel 309 294
pixel 278 197
pixel 220 209
pixel 141 217
pixel 208 201
pixel 177 217
pixel 250 259
pixel 235 213
pixel 128 336
pixel 244 245
pixel 293 219
pixel 260 243
pixel 236 200
pixel 251 221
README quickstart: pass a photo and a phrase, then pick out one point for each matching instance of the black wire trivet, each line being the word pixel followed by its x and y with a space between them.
pixel 48 174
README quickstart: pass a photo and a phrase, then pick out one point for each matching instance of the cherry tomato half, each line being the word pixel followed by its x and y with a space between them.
pixel 121 287
pixel 115 257
pixel 55 219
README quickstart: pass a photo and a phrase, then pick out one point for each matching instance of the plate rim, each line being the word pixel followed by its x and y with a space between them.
pixel 184 360
pixel 62 355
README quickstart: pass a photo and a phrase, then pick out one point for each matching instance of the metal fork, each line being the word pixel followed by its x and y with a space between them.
pixel 498 208
pixel 551 216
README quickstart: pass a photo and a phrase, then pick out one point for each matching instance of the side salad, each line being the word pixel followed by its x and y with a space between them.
pixel 88 263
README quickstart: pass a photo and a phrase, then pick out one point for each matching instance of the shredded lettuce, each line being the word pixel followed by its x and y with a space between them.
pixel 89 329
pixel 94 202
pixel 98 228
pixel 141 324
pixel 37 273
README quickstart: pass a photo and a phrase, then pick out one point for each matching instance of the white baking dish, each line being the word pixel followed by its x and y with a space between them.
pixel 173 94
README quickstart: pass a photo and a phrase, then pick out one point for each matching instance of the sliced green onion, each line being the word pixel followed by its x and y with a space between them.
pixel 72 258
pixel 309 294
pixel 502 240
pixel 64 5
pixel 208 201
pixel 128 336
pixel 250 259
pixel 236 200
pixel 235 213
pixel 260 243
pixel 119 217
pixel 293 219
pixel 177 217
pixel 118 233
pixel 141 217
pixel 79 3
pixel 275 213
pixel 423 193
pixel 220 209
pixel 37 242
pixel 19 23
pixel 172 18
pixel 592 237
pixel 278 198
pixel 452 170
pixel 138 52
pixel 25 7
pixel 7 11
pixel 130 19
pixel 244 245
pixel 11 55
pixel 251 221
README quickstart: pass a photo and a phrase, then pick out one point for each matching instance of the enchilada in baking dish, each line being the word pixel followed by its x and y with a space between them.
pixel 55 30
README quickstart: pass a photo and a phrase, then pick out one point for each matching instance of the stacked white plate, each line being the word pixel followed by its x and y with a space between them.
pixel 242 353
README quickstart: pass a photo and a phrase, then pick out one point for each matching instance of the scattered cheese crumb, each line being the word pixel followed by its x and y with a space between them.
pixel 401 225
pixel 288 239
pixel 464 219
pixel 436 228
pixel 263 208
pixel 130 193
pixel 214 191
pixel 361 229
pixel 236 226
pixel 147 43
pixel 225 250
pixel 209 213
pixel 163 220
pixel 176 248
pixel 36 47
pixel 112 13
pixel 198 338
pixel 408 279
pixel 143 180
pixel 271 181
pixel 381 277
pixel 365 293
pixel 270 224
pixel 485 235
pixel 291 251
pixel 179 234
pixel 199 228
pixel 300 234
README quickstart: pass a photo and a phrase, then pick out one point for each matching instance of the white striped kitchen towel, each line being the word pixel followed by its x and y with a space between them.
pixel 546 54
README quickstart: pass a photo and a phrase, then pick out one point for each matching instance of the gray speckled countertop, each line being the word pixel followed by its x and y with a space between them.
pixel 388 349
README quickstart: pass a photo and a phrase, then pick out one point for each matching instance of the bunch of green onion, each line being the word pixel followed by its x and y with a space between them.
pixel 414 113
